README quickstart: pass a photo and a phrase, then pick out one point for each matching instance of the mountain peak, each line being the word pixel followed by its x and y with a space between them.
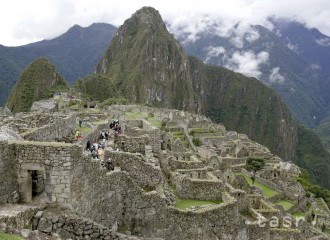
pixel 38 81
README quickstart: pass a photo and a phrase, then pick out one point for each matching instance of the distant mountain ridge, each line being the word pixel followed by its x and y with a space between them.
pixel 290 58
pixel 75 54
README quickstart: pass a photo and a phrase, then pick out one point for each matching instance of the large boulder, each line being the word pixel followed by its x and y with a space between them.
pixel 45 106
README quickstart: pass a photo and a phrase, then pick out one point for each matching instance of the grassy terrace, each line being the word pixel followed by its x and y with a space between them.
pixel 286 204
pixel 5 236
pixel 267 192
pixel 181 136
pixel 135 116
pixel 187 203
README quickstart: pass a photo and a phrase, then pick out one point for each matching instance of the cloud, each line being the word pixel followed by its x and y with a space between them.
pixel 315 66
pixel 212 52
pixel 275 76
pixel 325 42
pixel 40 19
pixel 247 63
pixel 293 47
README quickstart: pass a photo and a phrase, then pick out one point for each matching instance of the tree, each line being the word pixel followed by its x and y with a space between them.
pixel 254 165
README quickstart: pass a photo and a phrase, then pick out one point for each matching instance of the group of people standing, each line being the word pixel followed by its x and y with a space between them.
pixel 97 148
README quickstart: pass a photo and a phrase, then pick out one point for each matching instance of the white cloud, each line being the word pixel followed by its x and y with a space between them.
pixel 325 42
pixel 212 52
pixel 293 47
pixel 247 63
pixel 275 76
pixel 252 36
pixel 24 21
pixel 315 66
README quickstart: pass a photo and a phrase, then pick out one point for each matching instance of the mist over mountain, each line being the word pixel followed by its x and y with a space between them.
pixel 75 54
pixel 288 57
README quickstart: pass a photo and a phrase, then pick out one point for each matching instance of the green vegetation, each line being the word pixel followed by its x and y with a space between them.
pixel 299 214
pixel 254 165
pixel 38 81
pixel 311 187
pixel 187 203
pixel 286 204
pixel 323 130
pixel 312 156
pixel 197 141
pixel 267 192
pixel 5 236
pixel 97 87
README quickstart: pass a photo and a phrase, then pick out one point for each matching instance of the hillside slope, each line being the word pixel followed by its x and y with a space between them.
pixel 38 81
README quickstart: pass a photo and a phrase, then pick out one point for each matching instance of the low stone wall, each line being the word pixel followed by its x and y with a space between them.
pixel 285 233
pixel 17 216
pixel 176 164
pixel 188 188
pixel 73 227
pixel 8 176
pixel 60 128
pixel 233 161
pixel 142 173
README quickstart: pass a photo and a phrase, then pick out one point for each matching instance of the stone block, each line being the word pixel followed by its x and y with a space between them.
pixel 45 225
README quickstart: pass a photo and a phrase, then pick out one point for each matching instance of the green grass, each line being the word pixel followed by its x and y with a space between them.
pixel 5 236
pixel 187 203
pixel 267 192
pixel 298 214
pixel 84 130
pixel 286 204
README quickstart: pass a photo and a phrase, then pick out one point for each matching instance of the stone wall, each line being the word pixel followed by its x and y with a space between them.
pixel 132 144
pixel 155 135
pixel 177 164
pixel 52 160
pixel 142 173
pixel 8 179
pixel 61 127
pixel 188 188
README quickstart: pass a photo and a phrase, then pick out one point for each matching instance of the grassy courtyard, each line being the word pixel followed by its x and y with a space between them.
pixel 267 192
pixel 286 204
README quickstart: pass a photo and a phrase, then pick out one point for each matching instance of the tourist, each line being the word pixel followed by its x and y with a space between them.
pixel 88 145
pixel 109 165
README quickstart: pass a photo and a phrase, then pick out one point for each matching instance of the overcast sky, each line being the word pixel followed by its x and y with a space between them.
pixel 25 21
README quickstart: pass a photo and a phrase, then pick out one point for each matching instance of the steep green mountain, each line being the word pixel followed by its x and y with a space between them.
pixel 38 81
pixel 323 130
pixel 75 54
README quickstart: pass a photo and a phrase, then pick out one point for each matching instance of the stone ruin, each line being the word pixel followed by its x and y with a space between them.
pixel 61 192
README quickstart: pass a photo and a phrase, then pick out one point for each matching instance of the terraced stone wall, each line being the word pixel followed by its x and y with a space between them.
pixel 8 176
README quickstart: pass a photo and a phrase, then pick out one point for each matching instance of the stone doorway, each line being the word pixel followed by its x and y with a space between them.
pixel 38 183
